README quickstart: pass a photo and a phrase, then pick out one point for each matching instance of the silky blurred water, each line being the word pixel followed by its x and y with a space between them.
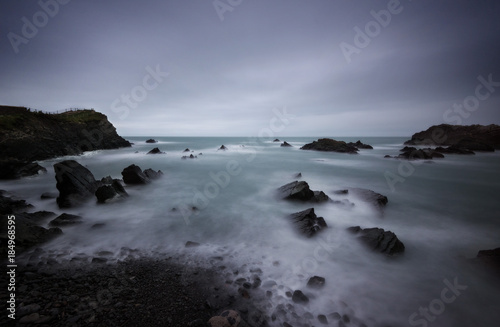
pixel 443 211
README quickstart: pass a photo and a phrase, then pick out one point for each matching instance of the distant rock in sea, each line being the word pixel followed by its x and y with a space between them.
pixel 151 141
pixel 223 147
pixel 155 151
pixel 360 145
pixel 326 144
pixel 285 144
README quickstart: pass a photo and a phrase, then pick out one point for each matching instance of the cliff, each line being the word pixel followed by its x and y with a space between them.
pixel 474 137
pixel 28 136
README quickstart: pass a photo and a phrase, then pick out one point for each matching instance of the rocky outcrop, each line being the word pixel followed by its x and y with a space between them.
pixel 276 140
pixel 412 153
pixel 15 169
pixel 223 147
pixel 134 175
pixel 300 191
pixel 307 222
pixel 155 151
pixel 379 240
pixel 286 144
pixel 376 199
pixel 75 183
pixel 29 136
pixel 490 258
pixel 191 156
pixel 473 137
pixel 330 145
pixel 151 141
pixel 360 145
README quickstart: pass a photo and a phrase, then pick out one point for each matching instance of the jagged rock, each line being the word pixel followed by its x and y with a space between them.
pixel 299 190
pixel 151 141
pixel 276 140
pixel 151 174
pixel 187 150
pixel 316 282
pixel 376 199
pixel 155 151
pixel 66 219
pixel 299 175
pixel 307 222
pixel 330 145
pixel 117 185
pixel 360 145
pixel 75 183
pixel 379 240
pixel 223 147
pixel 299 297
pixel 286 144
pixel 15 169
pixel 134 175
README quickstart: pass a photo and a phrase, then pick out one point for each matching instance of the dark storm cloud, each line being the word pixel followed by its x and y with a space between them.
pixel 225 77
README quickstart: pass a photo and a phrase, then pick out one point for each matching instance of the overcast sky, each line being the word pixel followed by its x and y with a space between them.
pixel 225 68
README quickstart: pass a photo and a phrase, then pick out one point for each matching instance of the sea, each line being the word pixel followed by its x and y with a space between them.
pixel 444 211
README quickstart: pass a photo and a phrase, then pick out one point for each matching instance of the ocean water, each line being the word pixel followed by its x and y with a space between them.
pixel 443 211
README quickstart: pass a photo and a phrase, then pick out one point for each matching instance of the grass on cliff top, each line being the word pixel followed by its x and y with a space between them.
pixel 11 119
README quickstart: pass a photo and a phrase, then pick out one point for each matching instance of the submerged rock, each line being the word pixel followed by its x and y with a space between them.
pixel 330 145
pixel 307 222
pixel 300 191
pixel 66 219
pixel 75 183
pixel 379 240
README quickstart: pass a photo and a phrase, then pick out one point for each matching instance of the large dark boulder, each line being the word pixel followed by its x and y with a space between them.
pixel 134 175
pixel 330 145
pixel 307 222
pixel 300 191
pixel 75 183
pixel 379 240
pixel 15 169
